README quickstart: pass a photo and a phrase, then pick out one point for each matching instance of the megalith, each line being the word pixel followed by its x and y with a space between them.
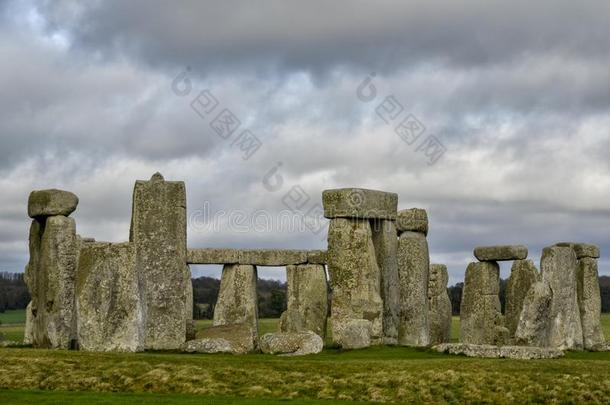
pixel 534 322
pixel 308 297
pixel 108 303
pixel 51 270
pixel 481 320
pixel 523 275
pixel 237 302
pixel 413 276
pixel 357 310
pixel 158 232
pixel 439 305
pixel 589 302
pixel 385 242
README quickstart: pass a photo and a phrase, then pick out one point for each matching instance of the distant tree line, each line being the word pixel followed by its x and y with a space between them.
pixel 271 295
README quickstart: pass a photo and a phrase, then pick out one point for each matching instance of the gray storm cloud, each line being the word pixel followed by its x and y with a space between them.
pixel 517 92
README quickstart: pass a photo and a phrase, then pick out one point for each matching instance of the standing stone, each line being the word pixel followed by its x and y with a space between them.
pixel 237 301
pixel 108 304
pixel 523 275
pixel 158 231
pixel 534 321
pixel 559 266
pixel 439 305
pixel 308 297
pixel 412 219
pixel 413 269
pixel 386 249
pixel 50 276
pixel 28 336
pixel 481 319
pixel 589 302
pixel 357 308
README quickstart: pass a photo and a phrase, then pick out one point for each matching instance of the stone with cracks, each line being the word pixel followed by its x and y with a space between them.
pixel 413 274
pixel 386 248
pixel 359 203
pixel 522 276
pixel 500 253
pixel 559 266
pixel 506 352
pixel 50 276
pixel 412 219
pixel 108 303
pixel 481 320
pixel 48 203
pixel 237 300
pixel 158 232
pixel 439 305
pixel 307 296
pixel 590 303
pixel 241 337
pixel 291 344
pixel 354 278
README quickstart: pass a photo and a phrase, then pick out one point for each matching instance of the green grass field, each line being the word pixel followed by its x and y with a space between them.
pixel 383 374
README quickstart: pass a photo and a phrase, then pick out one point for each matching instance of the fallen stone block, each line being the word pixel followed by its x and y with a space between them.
pixel 413 219
pixel 241 337
pixel 208 345
pixel 272 257
pixel 506 352
pixel 212 256
pixel 500 253
pixel 48 203
pixel 582 250
pixel 359 203
pixel 291 344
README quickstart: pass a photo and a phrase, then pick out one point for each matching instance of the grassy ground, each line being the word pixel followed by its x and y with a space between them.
pixel 384 374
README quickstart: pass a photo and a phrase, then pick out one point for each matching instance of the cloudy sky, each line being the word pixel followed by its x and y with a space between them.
pixel 97 94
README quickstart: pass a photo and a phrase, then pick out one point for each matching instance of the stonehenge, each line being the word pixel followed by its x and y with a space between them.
pixel 374 284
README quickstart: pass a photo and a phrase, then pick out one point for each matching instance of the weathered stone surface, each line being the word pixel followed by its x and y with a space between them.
pixel 272 257
pixel 308 296
pixel 507 352
pixel 359 204
pixel 522 276
pixel 559 266
pixel 412 219
pixel 317 257
pixel 481 320
pixel 208 345
pixel 242 337
pixel 589 302
pixel 354 277
pixel 292 344
pixel 191 330
pixel 439 305
pixel 500 253
pixel 48 203
pixel 28 336
pixel 582 249
pixel 213 256
pixel 108 303
pixel 158 231
pixel 237 301
pixel 352 333
pixel 413 269
pixel 386 249
pixel 50 276
pixel 533 326
pixel 292 321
